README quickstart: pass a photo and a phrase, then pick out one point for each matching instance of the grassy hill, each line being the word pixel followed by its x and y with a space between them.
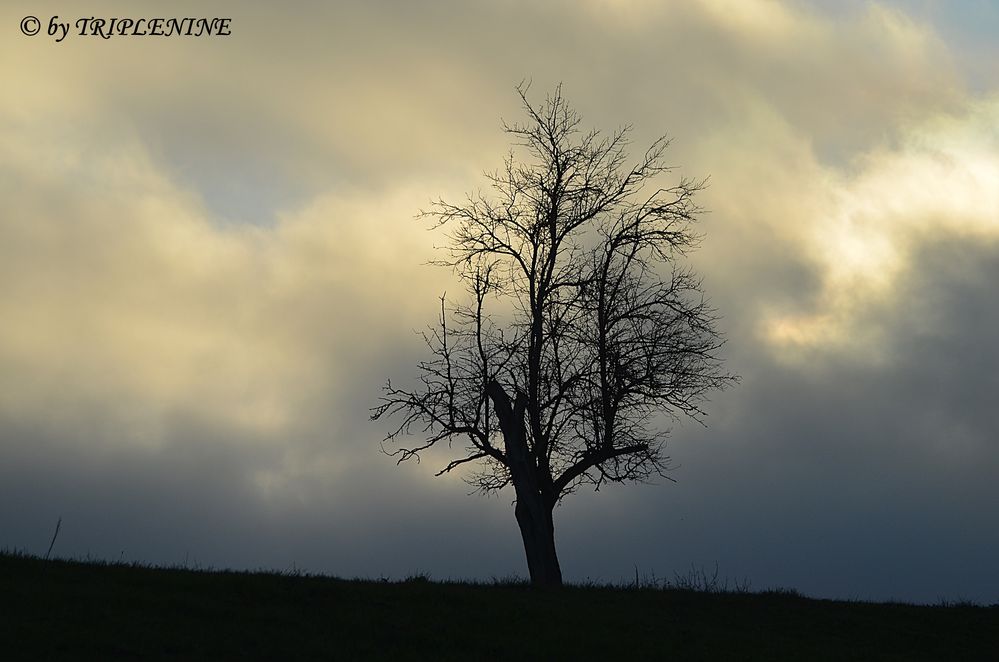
pixel 56 610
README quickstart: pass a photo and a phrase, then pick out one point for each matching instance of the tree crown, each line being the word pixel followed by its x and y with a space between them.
pixel 582 331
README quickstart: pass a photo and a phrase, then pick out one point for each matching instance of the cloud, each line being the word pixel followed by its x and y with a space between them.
pixel 124 295
pixel 209 264
pixel 940 183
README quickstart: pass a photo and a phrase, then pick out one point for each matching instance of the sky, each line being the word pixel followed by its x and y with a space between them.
pixel 210 263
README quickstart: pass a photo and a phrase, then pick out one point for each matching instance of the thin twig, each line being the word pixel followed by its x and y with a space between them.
pixel 54 536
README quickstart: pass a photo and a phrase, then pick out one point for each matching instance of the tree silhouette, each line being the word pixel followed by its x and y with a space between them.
pixel 581 334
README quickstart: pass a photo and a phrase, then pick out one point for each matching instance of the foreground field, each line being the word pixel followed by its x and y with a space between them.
pixel 55 610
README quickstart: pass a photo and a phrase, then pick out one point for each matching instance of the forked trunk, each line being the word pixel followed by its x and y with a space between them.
pixel 534 511
pixel 538 531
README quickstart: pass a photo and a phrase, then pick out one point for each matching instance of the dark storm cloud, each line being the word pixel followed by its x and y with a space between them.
pixel 847 478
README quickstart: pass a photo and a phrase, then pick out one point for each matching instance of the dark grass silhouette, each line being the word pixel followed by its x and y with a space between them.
pixel 57 609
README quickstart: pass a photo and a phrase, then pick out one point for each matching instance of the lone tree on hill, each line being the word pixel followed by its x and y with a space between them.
pixel 581 334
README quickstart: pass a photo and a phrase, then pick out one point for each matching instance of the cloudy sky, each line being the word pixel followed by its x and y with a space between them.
pixel 209 264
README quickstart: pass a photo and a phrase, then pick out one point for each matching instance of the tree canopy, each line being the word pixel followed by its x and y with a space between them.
pixel 582 332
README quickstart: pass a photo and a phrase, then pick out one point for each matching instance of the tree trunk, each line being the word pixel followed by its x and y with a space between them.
pixel 538 531
pixel 533 510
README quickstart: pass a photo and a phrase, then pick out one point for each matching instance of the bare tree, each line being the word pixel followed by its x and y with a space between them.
pixel 581 334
